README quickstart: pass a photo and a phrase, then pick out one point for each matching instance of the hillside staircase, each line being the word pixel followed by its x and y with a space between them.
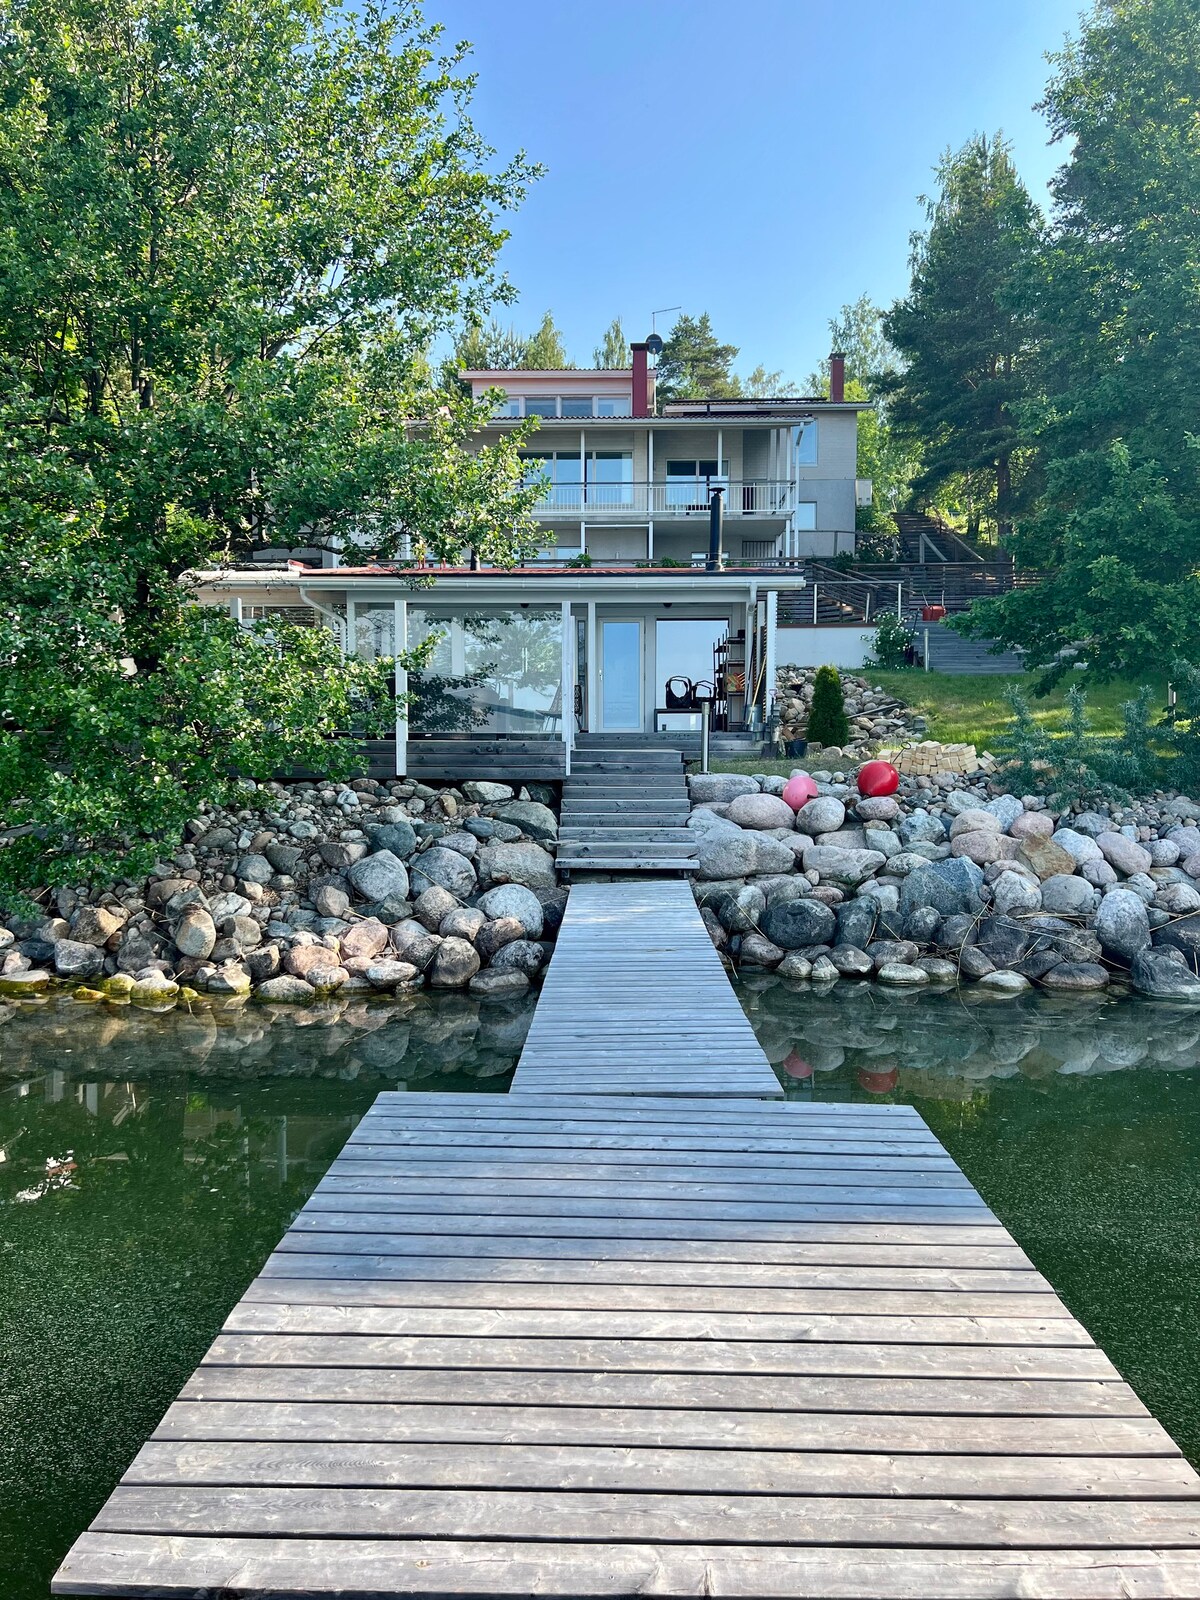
pixel 925 538
pixel 950 652
pixel 625 809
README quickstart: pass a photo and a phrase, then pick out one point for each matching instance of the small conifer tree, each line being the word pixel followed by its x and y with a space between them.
pixel 827 719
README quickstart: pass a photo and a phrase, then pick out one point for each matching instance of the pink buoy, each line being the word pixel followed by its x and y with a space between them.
pixel 798 791
pixel 878 778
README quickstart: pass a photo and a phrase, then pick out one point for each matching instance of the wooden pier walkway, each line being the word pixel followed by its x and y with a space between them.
pixel 589 1345
pixel 636 1001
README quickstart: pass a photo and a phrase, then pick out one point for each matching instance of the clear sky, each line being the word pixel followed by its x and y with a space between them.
pixel 760 160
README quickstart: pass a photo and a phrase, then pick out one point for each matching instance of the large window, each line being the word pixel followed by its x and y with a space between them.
pixel 609 480
pixel 691 483
pixel 582 406
pixel 804 439
pixel 490 672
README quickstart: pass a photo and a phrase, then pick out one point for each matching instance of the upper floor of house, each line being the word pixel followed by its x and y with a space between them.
pixel 610 457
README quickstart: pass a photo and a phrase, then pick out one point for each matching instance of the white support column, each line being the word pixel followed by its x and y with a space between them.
pixel 235 609
pixel 593 708
pixel 772 620
pixel 400 645
pixel 350 643
pixel 568 684
pixel 649 473
pixel 582 470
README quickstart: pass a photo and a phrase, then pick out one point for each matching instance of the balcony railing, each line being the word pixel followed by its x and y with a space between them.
pixel 675 497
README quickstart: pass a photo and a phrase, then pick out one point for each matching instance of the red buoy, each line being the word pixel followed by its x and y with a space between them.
pixel 878 778
pixel 796 1067
pixel 798 791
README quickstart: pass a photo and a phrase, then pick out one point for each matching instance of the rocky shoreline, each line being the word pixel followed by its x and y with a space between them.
pixel 947 880
pixel 312 890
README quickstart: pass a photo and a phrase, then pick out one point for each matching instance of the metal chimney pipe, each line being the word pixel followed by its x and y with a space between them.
pixel 716 528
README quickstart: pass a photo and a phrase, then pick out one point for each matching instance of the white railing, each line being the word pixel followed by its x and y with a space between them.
pixel 676 497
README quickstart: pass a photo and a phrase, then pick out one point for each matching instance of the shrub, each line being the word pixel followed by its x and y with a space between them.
pixel 893 639
pixel 827 720
pixel 1078 765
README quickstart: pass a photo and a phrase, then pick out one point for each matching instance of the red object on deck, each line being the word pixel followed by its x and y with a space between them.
pixel 878 778
pixel 932 613
pixel 798 791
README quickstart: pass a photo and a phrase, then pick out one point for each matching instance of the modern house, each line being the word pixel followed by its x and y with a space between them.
pixel 625 606
pixel 628 481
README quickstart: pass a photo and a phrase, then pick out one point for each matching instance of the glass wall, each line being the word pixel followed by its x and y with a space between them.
pixel 492 672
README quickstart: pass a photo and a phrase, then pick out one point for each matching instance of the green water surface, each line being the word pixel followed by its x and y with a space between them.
pixel 148 1165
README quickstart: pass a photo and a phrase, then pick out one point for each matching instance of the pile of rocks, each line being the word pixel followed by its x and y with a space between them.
pixel 949 880
pixel 876 717
pixel 309 890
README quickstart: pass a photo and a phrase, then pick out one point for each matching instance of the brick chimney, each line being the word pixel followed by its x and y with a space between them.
pixel 641 380
pixel 837 376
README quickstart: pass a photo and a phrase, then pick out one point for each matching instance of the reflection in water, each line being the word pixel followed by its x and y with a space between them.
pixel 1077 1119
pixel 148 1166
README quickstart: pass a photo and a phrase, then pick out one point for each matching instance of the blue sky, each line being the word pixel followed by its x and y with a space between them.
pixel 760 161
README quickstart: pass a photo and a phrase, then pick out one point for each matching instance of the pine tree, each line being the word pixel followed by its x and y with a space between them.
pixel 828 723
pixel 964 332
pixel 614 352
pixel 694 365
pixel 544 350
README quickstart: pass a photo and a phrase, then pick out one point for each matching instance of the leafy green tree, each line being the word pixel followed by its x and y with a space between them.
pixel 762 384
pixel 695 365
pixel 614 352
pixel 1116 530
pixel 230 232
pixel 828 723
pixel 965 334
pixel 544 350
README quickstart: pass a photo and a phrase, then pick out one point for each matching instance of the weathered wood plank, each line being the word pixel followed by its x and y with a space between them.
pixel 363 1569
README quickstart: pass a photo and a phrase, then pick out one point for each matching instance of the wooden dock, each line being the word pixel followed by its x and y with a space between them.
pixel 636 1001
pixel 588 1345
pixel 575 1346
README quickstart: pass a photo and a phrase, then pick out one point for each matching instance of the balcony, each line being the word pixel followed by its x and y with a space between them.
pixel 677 497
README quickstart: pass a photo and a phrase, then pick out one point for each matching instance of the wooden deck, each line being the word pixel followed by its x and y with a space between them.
pixel 596 1346
pixel 636 1001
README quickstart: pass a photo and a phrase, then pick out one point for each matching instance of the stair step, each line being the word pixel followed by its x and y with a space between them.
pixel 629 864
pixel 580 851
pixel 632 835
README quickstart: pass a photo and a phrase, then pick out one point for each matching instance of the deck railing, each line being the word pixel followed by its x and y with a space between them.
pixel 674 497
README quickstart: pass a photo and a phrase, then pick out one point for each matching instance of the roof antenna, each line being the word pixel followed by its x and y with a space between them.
pixel 661 312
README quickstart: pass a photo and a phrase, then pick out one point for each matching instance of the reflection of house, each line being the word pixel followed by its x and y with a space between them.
pixel 625 484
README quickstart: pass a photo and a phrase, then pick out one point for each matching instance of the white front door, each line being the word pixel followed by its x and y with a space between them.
pixel 621 675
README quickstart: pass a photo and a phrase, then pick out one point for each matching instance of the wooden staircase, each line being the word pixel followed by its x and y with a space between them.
pixel 925 538
pixel 624 810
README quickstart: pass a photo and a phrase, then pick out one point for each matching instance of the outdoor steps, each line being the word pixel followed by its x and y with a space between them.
pixel 950 652
pixel 624 810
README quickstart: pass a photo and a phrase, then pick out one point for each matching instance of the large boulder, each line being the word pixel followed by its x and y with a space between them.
pixel 382 876
pixel 538 821
pixel 1078 846
pixel 195 933
pixel 1122 926
pixel 481 793
pixel 1065 895
pixel 96 924
pixel 454 965
pixel 722 787
pixel 365 939
pixel 398 837
pixel 1013 892
pixel 950 887
pixel 921 827
pixel 825 814
pixel 1126 855
pixel 726 852
pixel 1183 936
pixel 525 863
pixel 1076 977
pixel 980 845
pixel 495 935
pixel 1160 973
pixel 760 811
pixel 74 959
pixel 446 868
pixel 796 924
pixel 846 868
pixel 1046 857
pixel 521 955
pixel 856 921
pixel 513 900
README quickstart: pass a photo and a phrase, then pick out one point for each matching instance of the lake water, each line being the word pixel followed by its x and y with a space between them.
pixel 148 1165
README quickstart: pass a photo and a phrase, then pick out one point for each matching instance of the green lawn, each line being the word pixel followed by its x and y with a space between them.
pixel 971 709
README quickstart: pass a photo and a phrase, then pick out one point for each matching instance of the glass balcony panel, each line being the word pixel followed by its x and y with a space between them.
pixel 491 673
